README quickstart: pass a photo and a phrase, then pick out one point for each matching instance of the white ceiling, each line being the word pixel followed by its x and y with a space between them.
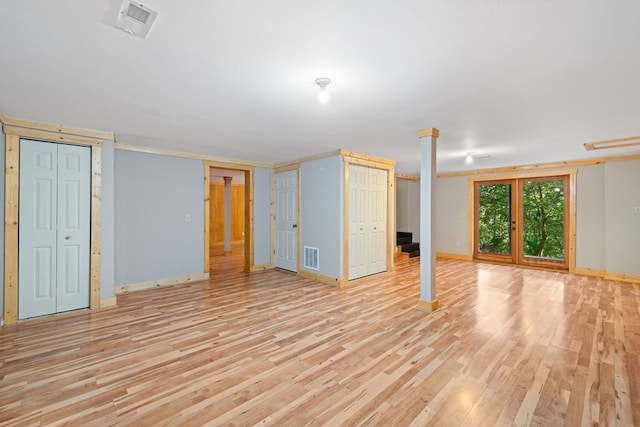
pixel 525 81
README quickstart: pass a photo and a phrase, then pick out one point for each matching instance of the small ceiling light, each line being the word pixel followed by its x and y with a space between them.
pixel 323 82
pixel 469 158
pixel 472 157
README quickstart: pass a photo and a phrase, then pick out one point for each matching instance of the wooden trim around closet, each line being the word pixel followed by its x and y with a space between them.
pixel 11 227
pixel 371 162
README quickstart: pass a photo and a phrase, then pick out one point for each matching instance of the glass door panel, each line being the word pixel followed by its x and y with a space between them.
pixel 494 213
pixel 543 219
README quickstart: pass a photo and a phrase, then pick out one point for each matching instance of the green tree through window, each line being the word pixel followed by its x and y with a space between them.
pixel 494 219
pixel 543 219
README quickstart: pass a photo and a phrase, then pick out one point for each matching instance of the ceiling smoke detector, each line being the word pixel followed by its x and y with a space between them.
pixel 135 18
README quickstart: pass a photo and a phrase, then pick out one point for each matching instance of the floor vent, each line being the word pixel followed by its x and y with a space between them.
pixel 311 258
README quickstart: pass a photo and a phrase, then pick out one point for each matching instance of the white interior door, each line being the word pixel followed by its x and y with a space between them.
pixel 367 221
pixel 53 250
pixel 286 221
pixel 377 249
pixel 358 228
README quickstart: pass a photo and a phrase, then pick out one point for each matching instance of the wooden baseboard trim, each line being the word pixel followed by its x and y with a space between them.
pixel 322 278
pixel 622 277
pixel 123 289
pixel 589 272
pixel 463 257
pixel 607 275
pixel 261 267
pixel 428 306
pixel 108 302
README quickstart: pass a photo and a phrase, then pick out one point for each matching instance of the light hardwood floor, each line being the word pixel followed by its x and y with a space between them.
pixel 509 346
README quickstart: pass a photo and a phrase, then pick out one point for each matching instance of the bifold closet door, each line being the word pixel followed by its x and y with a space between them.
pixel 54 228
pixel 367 221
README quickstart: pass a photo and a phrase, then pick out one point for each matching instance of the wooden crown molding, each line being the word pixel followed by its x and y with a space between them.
pixel 571 163
pixel 215 161
pixel 27 126
pixel 340 152
pixel 409 177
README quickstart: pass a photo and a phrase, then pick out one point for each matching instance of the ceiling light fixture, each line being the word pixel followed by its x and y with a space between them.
pixel 323 82
pixel 469 158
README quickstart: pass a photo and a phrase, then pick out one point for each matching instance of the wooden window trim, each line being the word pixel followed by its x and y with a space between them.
pixel 572 215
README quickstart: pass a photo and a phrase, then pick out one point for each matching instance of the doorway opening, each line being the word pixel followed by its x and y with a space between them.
pixel 228 217
pixel 525 220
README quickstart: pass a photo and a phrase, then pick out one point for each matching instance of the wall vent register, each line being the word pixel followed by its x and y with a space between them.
pixel 311 258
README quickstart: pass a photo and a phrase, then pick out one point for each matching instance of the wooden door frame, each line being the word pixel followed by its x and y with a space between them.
pixel 570 227
pixel 14 130
pixel 249 174
pixel 531 261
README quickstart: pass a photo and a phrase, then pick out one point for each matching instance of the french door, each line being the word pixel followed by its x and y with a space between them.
pixel 523 221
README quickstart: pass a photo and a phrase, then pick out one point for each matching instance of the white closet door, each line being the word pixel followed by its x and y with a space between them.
pixel 358 220
pixel 37 230
pixel 286 221
pixel 377 248
pixel 53 254
pixel 367 221
pixel 74 225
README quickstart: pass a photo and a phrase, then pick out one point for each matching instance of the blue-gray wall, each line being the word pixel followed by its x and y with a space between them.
pixel 153 196
pixel 590 220
pixel 451 215
pixel 622 224
pixel 322 213
pixel 408 207
pixel 262 216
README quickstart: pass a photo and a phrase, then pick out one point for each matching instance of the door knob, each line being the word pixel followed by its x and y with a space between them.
pixel 67 238
pixel 295 225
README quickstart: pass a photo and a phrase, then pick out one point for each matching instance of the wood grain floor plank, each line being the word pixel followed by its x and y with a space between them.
pixel 508 346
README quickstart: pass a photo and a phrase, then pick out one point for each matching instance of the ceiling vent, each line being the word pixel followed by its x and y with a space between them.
pixel 135 18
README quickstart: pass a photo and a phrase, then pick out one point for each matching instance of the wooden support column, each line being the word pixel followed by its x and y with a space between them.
pixel 227 214
pixel 428 300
